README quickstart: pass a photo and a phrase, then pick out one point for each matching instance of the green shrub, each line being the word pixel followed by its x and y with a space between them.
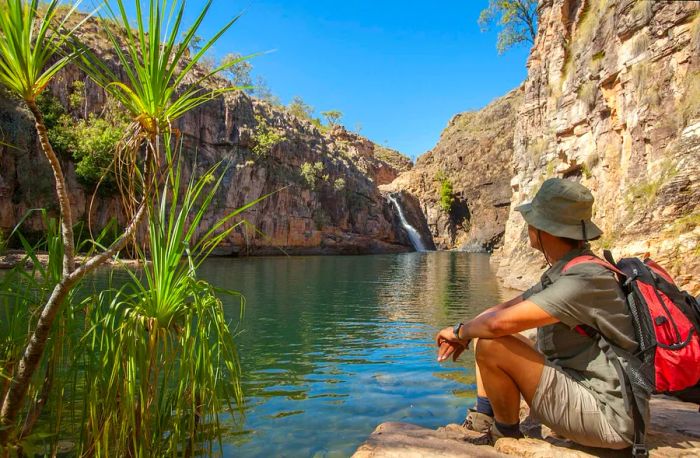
pixel 90 142
pixel 76 99
pixel 57 123
pixel 447 198
pixel 266 137
pixel 300 109
pixel 94 149
pixel 332 117
pixel 311 173
pixel 339 184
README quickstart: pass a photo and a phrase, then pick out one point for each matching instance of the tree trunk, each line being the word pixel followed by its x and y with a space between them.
pixel 31 358
pixel 29 362
pixel 61 190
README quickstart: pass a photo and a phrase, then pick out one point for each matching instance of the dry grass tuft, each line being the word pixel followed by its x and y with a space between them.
pixel 640 43
pixel 587 93
pixel 537 148
pixel 688 107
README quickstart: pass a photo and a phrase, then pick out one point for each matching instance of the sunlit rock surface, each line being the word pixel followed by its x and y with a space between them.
pixel 338 209
pixel 612 98
pixel 474 153
pixel 674 432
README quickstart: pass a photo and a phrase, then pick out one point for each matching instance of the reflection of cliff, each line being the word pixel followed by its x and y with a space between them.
pixel 439 288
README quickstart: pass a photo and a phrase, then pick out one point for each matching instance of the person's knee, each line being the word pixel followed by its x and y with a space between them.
pixel 487 350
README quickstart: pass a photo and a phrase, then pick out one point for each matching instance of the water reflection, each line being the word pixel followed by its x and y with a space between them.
pixel 333 346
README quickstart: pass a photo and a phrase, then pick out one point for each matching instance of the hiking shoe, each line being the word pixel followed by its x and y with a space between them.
pixel 490 436
pixel 477 421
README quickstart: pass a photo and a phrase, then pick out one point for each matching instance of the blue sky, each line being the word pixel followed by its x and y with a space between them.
pixel 399 70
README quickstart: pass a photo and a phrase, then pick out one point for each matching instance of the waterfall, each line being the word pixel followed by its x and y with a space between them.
pixel 412 232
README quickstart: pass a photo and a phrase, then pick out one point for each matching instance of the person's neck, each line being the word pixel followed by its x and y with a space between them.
pixel 556 248
pixel 557 251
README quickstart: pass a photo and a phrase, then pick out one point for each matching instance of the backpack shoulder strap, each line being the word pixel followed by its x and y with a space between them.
pixel 593 260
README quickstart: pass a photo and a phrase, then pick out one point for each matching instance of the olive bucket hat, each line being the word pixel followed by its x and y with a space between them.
pixel 562 208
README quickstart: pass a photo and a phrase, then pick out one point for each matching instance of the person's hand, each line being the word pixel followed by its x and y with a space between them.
pixel 448 345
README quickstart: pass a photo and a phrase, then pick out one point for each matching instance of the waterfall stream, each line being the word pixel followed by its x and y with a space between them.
pixel 412 232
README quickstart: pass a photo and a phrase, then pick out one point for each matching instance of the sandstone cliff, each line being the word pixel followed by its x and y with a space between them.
pixel 324 179
pixel 612 99
pixel 474 155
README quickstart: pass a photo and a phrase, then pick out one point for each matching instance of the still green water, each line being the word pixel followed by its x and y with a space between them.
pixel 332 346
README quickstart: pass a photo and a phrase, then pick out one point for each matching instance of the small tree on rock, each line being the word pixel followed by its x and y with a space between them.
pixel 517 19
pixel 332 117
pixel 238 71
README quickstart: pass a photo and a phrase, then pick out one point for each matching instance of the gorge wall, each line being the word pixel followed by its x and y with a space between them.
pixel 612 99
pixel 474 155
pixel 324 180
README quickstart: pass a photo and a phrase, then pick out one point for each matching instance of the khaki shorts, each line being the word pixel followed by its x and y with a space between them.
pixel 571 411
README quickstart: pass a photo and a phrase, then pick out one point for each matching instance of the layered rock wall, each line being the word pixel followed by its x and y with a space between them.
pixel 323 182
pixel 474 155
pixel 612 99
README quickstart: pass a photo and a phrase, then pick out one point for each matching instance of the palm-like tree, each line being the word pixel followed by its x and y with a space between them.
pixel 36 44
pixel 32 45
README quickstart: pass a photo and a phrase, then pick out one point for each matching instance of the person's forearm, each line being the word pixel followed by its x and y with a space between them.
pixel 482 325
pixel 506 321
pixel 502 305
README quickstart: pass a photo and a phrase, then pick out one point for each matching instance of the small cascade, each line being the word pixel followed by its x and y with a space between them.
pixel 412 232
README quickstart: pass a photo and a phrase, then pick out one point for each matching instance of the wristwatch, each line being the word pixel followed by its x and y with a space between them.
pixel 456 329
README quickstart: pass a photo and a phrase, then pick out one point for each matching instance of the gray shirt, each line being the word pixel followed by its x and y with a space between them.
pixel 587 294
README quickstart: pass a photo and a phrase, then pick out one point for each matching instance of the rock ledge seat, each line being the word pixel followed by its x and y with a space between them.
pixel 674 432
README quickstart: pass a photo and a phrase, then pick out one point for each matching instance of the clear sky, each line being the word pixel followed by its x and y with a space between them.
pixel 397 69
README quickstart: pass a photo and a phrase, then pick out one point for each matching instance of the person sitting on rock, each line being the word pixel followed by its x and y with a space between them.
pixel 568 382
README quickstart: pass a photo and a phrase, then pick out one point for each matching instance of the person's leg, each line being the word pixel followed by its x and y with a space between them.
pixel 483 405
pixel 480 390
pixel 479 417
pixel 508 368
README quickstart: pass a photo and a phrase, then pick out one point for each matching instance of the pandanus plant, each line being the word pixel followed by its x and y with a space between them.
pixel 36 43
pixel 167 365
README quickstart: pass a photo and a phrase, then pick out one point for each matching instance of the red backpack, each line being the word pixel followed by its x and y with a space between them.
pixel 666 322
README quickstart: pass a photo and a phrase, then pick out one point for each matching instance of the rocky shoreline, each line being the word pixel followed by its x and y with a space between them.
pixel 674 432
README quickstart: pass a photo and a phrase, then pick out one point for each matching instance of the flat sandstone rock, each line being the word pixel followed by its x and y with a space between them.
pixel 674 432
